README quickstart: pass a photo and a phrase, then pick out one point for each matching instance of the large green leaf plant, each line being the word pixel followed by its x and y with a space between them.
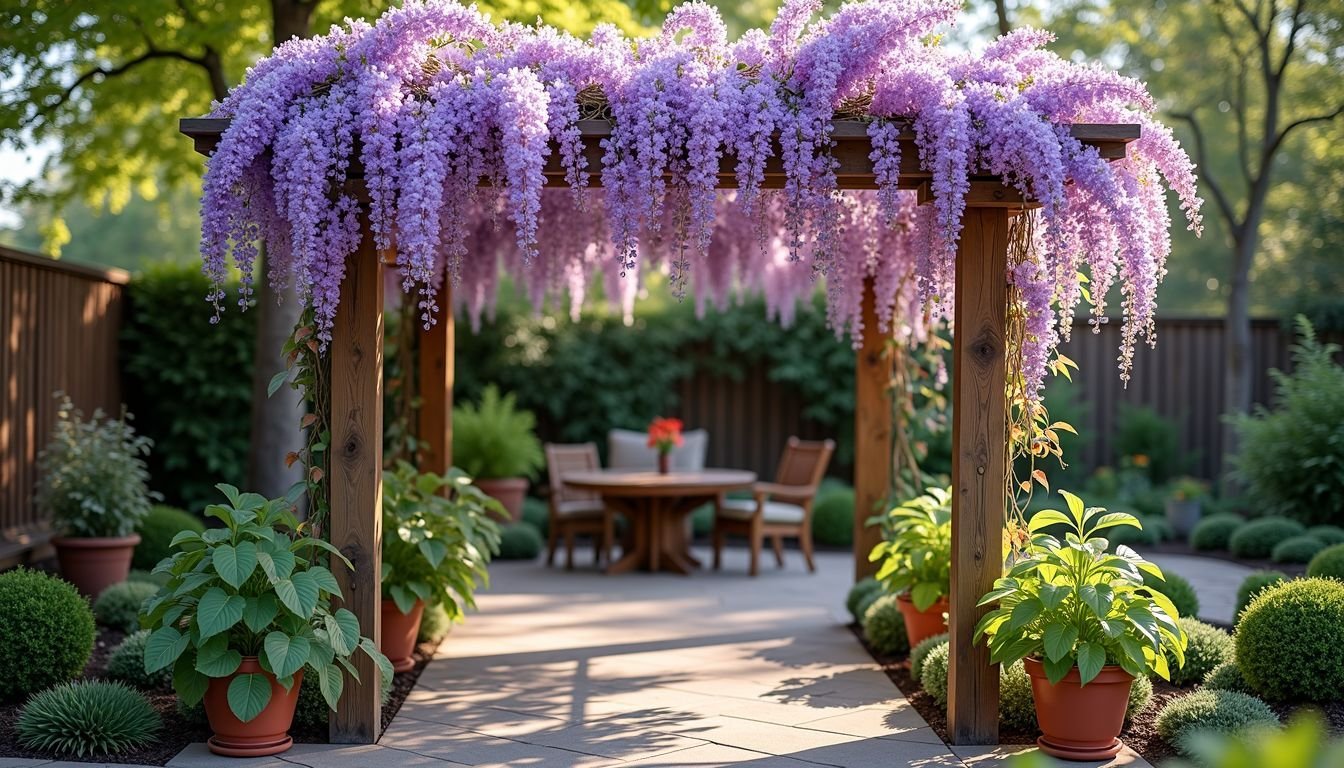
pixel 1071 603
pixel 256 587
pixel 439 533
pixel 916 550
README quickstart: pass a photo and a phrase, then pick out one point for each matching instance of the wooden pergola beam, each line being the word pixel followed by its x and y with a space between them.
pixel 979 445
pixel 872 432
pixel 435 421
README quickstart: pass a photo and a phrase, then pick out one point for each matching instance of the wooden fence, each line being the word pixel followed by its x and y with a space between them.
pixel 59 324
pixel 749 419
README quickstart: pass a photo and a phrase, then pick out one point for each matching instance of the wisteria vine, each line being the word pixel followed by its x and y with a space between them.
pixel 453 120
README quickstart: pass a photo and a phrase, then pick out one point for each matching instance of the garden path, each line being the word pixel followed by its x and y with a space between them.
pixel 1215 582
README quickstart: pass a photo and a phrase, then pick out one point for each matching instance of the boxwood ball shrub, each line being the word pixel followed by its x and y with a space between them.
pixel 934 675
pixel 1207 648
pixel 833 517
pixel 1177 589
pixel 1330 534
pixel 126 664
pixel 861 589
pixel 157 530
pixel 884 626
pixel 47 631
pixel 1257 538
pixel 866 602
pixel 1140 696
pixel 118 607
pixel 1255 583
pixel 520 541
pixel 921 652
pixel 1017 710
pixel 1328 563
pixel 1290 641
pixel 87 718
pixel 1227 677
pixel 1214 532
pixel 1298 549
pixel 1219 711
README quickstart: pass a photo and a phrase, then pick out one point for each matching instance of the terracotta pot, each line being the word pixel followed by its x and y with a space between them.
pixel 94 564
pixel 922 624
pixel 399 632
pixel 1080 722
pixel 265 734
pixel 509 491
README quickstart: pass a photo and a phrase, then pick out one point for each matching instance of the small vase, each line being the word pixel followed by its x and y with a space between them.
pixel 663 461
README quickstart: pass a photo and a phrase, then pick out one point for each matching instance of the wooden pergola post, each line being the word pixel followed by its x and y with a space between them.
pixel 979 467
pixel 355 480
pixel 435 424
pixel 872 432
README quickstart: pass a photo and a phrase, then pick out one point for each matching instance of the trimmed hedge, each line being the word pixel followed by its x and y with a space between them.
pixel 1298 549
pixel 1328 563
pixel 1208 647
pixel 1330 534
pixel 1256 539
pixel 1290 641
pixel 884 626
pixel 1219 711
pixel 1215 531
pixel 47 631
pixel 1253 584
pixel 157 530
pixel 833 517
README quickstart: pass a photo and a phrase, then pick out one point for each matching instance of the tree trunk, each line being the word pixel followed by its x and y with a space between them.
pixel 1237 332
pixel 1001 10
pixel 275 420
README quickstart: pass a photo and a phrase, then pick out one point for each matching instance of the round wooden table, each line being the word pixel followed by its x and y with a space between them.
pixel 656 506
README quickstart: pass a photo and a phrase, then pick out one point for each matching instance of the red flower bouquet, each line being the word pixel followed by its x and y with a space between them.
pixel 664 435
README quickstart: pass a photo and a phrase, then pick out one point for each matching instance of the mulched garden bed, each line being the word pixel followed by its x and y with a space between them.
pixel 179 731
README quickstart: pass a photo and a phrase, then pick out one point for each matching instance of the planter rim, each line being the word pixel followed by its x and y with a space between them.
pixel 95 542
pixel 1110 673
pixel 389 601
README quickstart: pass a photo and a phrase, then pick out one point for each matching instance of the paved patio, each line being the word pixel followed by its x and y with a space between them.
pixel 575 669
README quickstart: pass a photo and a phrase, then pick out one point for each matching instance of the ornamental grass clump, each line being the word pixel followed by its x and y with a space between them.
pixel 433 97
pixel 46 633
pixel 1290 641
pixel 1212 711
pixel 118 607
pixel 89 718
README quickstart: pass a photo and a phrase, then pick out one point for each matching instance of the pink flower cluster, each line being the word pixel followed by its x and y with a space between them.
pixel 453 121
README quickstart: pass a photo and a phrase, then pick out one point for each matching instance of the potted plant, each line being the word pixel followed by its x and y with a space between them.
pixel 1184 504
pixel 93 487
pixel 494 444
pixel 436 546
pixel 916 554
pixel 664 437
pixel 245 611
pixel 1084 625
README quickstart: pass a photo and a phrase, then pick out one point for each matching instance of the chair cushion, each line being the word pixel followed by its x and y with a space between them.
pixel 628 449
pixel 775 511
pixel 580 508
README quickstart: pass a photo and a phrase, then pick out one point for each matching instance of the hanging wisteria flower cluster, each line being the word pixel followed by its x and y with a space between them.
pixel 454 123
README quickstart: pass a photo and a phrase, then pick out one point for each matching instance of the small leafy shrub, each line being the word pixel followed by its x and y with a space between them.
pixel 921 652
pixel 156 534
pixel 145 577
pixel 1214 532
pixel 126 664
pixel 434 624
pixel 47 631
pixel 1290 641
pixel 1330 534
pixel 1017 710
pixel 1207 648
pixel 1305 743
pixel 1177 589
pixel 87 718
pixel 1292 458
pixel 520 541
pixel 1140 696
pixel 1328 563
pixel 1256 539
pixel 538 513
pixel 861 589
pixel 1298 549
pixel 1227 677
pixel 916 550
pixel 118 607
pixel 1254 584
pixel 493 438
pixel 866 602
pixel 934 675
pixel 884 626
pixel 1210 710
pixel 1151 441
pixel 92 476
pixel 833 517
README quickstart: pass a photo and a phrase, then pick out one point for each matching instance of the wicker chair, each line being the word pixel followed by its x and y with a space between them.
pixel 778 509
pixel 574 512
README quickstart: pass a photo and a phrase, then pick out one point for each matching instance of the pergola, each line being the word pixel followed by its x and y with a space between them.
pixel 979 406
